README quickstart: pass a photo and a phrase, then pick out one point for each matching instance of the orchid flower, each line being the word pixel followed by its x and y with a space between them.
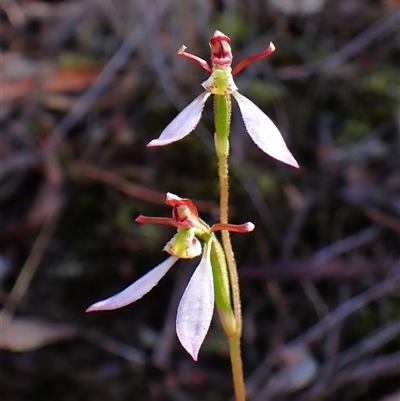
pixel 196 307
pixel 220 83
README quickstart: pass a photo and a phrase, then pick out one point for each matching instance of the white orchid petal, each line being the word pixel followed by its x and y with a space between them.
pixel 196 308
pixel 136 290
pixel 263 131
pixel 183 124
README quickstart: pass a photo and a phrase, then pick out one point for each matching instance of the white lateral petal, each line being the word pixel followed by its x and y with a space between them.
pixel 183 124
pixel 263 131
pixel 136 290
pixel 196 308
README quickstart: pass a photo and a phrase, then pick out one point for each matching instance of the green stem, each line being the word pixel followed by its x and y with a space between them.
pixel 234 341
pixel 222 288
pixel 222 110
pixel 226 241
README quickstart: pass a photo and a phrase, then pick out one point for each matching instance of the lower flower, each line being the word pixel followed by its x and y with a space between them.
pixel 196 307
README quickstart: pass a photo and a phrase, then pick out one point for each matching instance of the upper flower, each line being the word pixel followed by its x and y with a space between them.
pixel 260 128
pixel 196 307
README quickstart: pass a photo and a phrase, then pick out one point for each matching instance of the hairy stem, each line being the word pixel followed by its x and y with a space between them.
pixel 226 241
pixel 222 110
pixel 237 369
pixel 234 341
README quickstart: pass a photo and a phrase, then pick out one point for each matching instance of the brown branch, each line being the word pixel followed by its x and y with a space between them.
pixel 381 366
pixel 28 270
pixel 345 309
pixel 135 190
pixel 381 217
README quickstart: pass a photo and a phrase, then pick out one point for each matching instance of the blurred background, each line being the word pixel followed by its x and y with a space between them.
pixel 85 85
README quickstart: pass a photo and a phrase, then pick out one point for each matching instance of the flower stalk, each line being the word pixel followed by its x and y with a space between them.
pixel 265 135
pixel 222 114
pixel 215 280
